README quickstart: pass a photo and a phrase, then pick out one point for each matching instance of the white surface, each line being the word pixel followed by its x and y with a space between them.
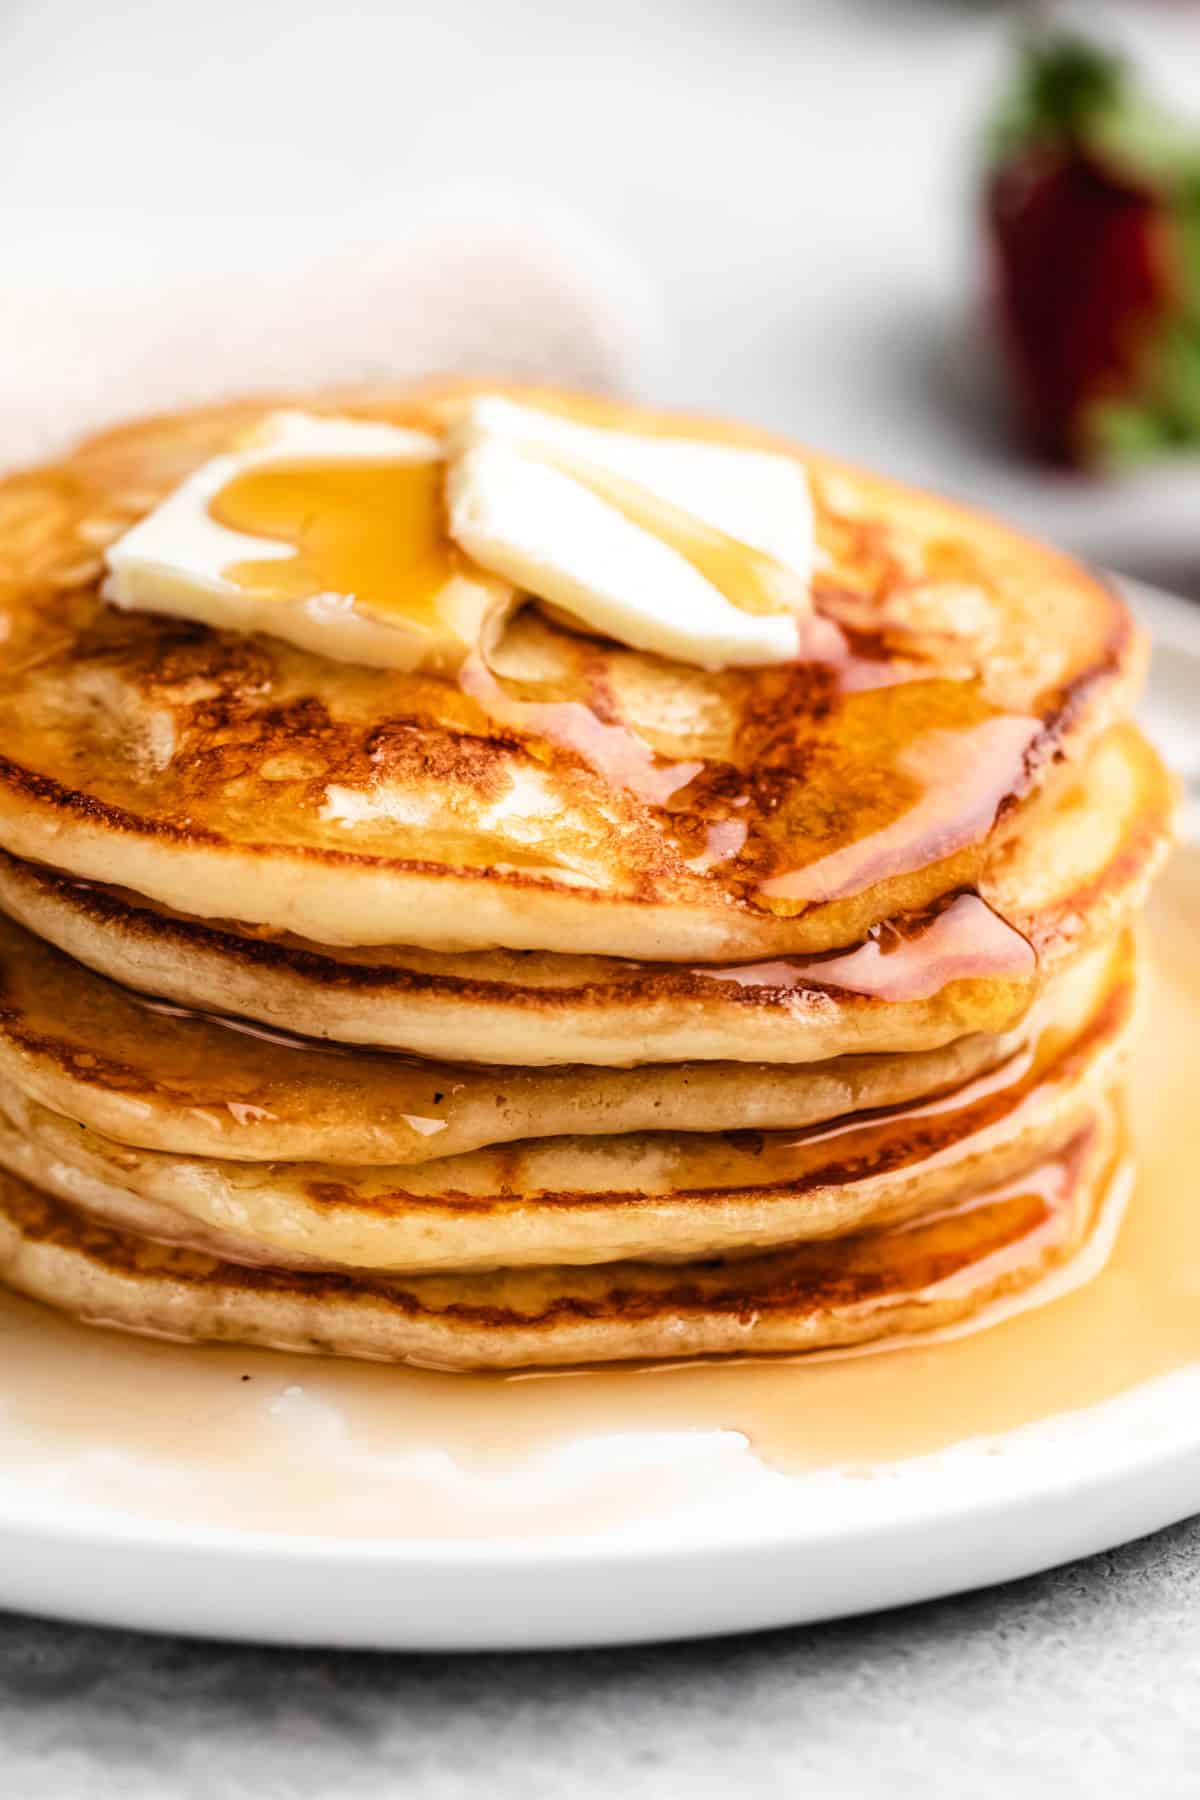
pixel 739 1547
pixel 979 1517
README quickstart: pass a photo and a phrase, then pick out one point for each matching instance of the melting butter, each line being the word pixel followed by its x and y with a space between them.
pixel 328 533
pixel 749 579
pixel 696 550
pixel 370 543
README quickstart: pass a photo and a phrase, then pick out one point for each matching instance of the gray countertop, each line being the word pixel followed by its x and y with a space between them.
pixel 1084 1678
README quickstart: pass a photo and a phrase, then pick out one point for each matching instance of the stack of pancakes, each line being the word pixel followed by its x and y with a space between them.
pixel 657 1012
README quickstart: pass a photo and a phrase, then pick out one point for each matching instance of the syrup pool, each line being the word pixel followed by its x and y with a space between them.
pixel 372 529
pixel 233 1438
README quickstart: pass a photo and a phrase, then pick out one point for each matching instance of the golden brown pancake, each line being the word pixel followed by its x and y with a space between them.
pixel 604 1008
pixel 650 1195
pixel 154 1075
pixel 965 966
pixel 852 1290
pixel 786 810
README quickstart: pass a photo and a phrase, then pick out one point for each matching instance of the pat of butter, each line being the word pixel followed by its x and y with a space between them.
pixel 696 550
pixel 329 533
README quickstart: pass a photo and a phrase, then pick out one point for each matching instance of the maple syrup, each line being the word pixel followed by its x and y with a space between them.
pixel 616 752
pixel 372 530
pixel 252 1438
pixel 748 578
pixel 963 939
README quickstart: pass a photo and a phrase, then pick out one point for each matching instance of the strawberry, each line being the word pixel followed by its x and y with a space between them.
pixel 1093 215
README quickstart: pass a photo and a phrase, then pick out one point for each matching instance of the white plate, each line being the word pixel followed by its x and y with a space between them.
pixel 735 1547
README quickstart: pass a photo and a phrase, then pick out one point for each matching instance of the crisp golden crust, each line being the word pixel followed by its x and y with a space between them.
pixel 191 765
pixel 852 1290
pixel 1078 869
pixel 161 1078
pixel 653 1195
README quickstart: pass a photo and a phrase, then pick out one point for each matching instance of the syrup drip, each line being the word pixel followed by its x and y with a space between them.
pixel 964 941
pixel 961 776
pixel 617 753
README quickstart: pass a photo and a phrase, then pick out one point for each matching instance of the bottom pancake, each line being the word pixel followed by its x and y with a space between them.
pixel 936 1272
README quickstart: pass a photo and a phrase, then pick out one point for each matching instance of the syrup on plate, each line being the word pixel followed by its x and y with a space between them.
pixel 251 1439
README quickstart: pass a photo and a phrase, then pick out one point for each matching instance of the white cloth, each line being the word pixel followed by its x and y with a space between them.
pixel 482 282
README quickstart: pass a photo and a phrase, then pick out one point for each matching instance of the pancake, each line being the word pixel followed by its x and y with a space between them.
pixel 580 1005
pixel 924 983
pixel 735 814
pixel 157 1076
pixel 655 1196
pixel 853 1290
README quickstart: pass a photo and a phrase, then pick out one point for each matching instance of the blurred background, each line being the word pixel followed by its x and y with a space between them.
pixel 888 229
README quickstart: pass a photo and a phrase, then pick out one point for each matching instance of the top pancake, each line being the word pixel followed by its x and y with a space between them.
pixel 235 776
pixel 1076 871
